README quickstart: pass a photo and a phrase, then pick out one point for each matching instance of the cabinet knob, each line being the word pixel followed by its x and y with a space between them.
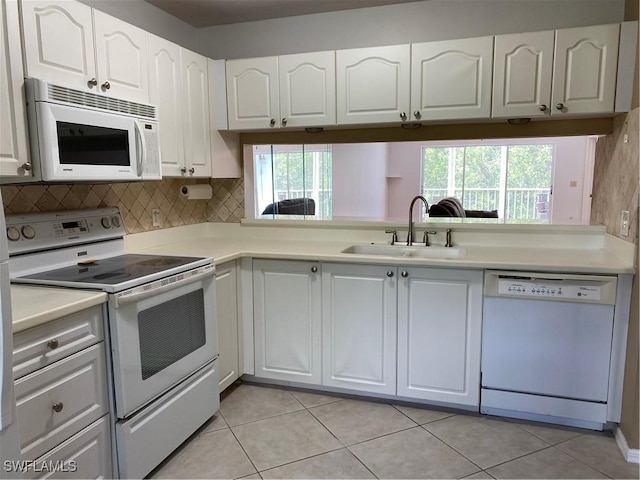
pixel 314 269
pixel 53 343
pixel 272 122
pixel 389 274
pixel 106 86
pixel 284 122
pixel 183 170
pixel 92 83
pixel 192 170
pixel 26 166
pixel 560 106
pixel 404 274
pixel 417 114
pixel 57 407
pixel 542 108
pixel 403 116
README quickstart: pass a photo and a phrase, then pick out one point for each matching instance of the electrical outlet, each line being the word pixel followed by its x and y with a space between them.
pixel 155 217
pixel 624 223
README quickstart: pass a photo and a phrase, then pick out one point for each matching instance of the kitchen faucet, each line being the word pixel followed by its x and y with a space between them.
pixel 426 206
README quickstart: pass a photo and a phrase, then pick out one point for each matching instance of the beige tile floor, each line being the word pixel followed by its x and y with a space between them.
pixel 270 432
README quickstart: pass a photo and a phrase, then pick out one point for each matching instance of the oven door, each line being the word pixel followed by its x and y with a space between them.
pixel 161 333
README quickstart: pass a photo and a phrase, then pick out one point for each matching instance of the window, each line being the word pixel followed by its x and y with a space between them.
pixel 292 180
pixel 515 180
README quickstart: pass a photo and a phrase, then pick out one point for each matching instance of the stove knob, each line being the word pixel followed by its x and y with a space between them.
pixel 28 232
pixel 13 234
pixel 105 222
pixel 115 221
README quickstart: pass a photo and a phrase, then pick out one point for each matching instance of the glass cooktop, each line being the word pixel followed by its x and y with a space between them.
pixel 113 270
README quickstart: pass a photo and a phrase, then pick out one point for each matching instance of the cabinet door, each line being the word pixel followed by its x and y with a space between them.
pixel 522 74
pixel 252 93
pixel 165 91
pixel 451 79
pixel 359 308
pixel 64 59
pixel 121 58
pixel 227 316
pixel 372 84
pixel 286 308
pixel 14 154
pixel 584 71
pixel 195 113
pixel 307 89
pixel 439 334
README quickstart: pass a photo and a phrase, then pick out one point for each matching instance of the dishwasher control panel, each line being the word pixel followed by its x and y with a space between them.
pixel 551 286
pixel 548 290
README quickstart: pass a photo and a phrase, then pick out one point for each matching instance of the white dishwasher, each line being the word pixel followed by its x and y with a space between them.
pixel 546 346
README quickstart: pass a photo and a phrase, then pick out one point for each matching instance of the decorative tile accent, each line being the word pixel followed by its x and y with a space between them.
pixel 615 176
pixel 135 201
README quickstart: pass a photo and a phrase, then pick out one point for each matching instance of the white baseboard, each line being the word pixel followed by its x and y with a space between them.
pixel 631 455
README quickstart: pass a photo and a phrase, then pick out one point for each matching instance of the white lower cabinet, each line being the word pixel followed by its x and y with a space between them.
pixel 287 320
pixel 227 316
pixel 439 334
pixel 62 403
pixel 359 327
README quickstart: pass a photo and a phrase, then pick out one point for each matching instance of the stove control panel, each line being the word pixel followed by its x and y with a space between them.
pixel 32 232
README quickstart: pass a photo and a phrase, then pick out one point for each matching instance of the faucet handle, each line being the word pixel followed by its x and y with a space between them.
pixel 394 236
pixel 425 238
pixel 449 242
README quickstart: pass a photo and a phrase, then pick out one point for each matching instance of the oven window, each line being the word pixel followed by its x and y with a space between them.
pixel 89 145
pixel 171 331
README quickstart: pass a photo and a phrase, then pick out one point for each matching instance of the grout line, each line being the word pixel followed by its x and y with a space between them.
pixel 452 448
pixel 578 460
pixel 245 452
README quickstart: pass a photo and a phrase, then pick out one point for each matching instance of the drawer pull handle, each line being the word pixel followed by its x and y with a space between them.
pixel 57 407
pixel 52 344
pixel 314 269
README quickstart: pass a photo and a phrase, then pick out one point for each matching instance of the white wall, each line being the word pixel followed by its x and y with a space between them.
pixel 359 183
pixel 405 23
pixel 152 19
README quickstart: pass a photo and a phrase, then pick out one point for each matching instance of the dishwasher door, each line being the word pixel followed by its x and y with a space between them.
pixel 546 347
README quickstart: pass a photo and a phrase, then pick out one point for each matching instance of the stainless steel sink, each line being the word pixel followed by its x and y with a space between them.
pixel 403 251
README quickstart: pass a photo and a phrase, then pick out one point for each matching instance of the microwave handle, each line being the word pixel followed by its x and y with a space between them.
pixel 142 155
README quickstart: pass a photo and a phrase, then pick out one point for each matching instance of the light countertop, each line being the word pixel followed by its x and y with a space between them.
pixel 230 244
pixel 33 306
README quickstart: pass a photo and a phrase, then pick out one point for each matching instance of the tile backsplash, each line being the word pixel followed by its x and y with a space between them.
pixel 135 201
pixel 615 176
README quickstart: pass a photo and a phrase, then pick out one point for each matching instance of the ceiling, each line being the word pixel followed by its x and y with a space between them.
pixel 207 13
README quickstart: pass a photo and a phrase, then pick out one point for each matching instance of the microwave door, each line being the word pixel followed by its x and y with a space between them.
pixel 85 145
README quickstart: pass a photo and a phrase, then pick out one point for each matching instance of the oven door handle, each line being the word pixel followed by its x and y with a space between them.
pixel 125 298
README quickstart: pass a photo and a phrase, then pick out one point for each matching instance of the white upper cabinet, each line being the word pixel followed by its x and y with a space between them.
pixel 165 91
pixel 121 58
pixel 585 67
pixel 58 43
pixel 372 85
pixel 195 104
pixel 62 47
pixel 14 154
pixel 522 68
pixel 451 79
pixel 439 334
pixel 307 89
pixel 252 93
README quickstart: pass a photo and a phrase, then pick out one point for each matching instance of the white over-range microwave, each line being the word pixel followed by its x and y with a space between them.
pixel 78 136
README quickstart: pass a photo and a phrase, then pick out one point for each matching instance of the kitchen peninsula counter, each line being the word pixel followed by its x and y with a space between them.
pixel 564 249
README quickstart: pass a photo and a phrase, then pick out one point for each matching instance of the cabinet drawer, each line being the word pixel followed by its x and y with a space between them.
pixel 77 384
pixel 41 346
pixel 85 455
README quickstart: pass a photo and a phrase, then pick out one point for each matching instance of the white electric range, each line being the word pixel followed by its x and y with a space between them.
pixel 160 317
